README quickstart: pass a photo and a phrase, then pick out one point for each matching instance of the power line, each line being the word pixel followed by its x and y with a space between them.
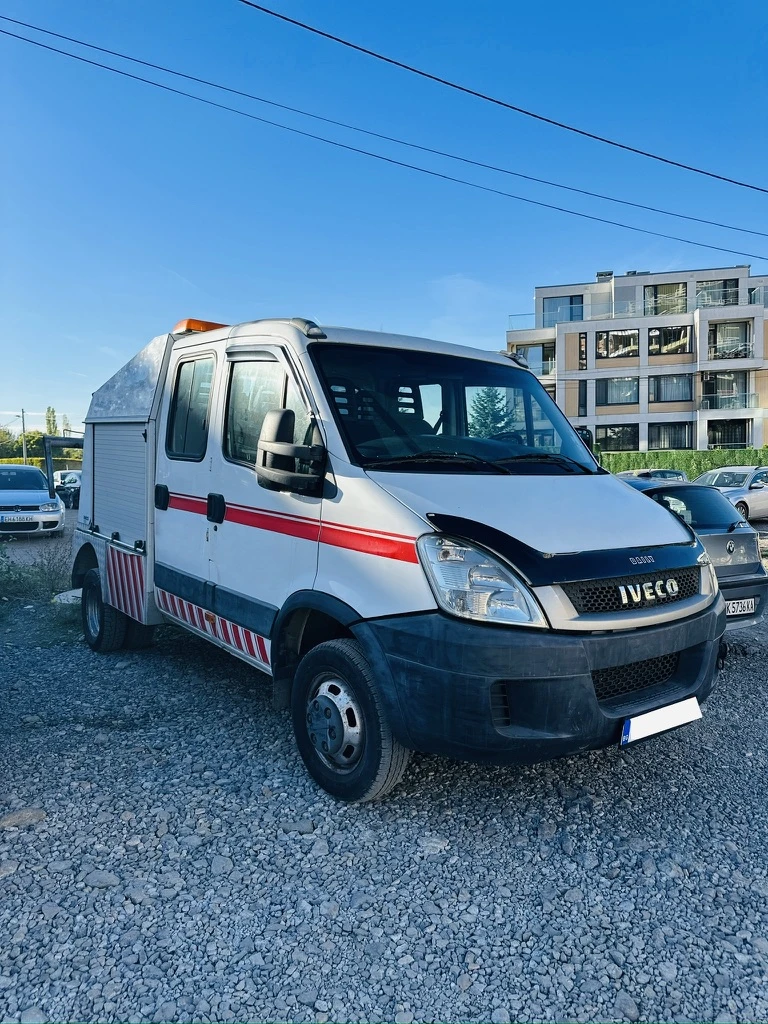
pixel 380 135
pixel 498 102
pixel 378 156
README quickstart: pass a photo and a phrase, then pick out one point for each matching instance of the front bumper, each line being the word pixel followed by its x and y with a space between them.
pixel 513 696
pixel 34 522
pixel 740 588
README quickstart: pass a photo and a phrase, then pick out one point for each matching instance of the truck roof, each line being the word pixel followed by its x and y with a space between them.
pixel 129 395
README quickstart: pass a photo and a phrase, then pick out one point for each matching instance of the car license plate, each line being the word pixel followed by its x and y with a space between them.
pixel 17 519
pixel 660 720
pixel 743 607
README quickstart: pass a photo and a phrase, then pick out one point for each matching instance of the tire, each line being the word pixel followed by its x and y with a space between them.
pixel 104 627
pixel 334 691
pixel 741 508
pixel 138 636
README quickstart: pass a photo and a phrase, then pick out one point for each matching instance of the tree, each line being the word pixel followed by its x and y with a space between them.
pixel 35 448
pixel 66 426
pixel 7 444
pixel 488 414
pixel 51 426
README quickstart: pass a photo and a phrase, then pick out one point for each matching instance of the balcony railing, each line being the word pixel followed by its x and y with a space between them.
pixel 665 304
pixel 717 297
pixel 758 296
pixel 748 400
pixel 736 350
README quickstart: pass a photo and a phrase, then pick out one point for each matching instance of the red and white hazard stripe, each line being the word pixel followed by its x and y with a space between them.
pixel 125 582
pixel 240 639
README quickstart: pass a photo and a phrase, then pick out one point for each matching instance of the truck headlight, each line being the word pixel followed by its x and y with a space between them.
pixel 472 584
pixel 50 506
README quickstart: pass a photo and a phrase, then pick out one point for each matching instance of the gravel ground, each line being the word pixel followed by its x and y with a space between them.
pixel 164 857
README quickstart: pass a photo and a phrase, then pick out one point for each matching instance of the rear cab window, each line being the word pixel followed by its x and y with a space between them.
pixel 189 415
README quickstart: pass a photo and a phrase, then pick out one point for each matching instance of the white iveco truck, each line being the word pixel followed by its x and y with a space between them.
pixel 407 536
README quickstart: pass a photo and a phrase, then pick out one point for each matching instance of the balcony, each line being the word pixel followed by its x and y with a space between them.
pixel 730 351
pixel 758 296
pixel 709 297
pixel 748 400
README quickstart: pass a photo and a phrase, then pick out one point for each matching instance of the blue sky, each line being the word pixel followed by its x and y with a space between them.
pixel 125 208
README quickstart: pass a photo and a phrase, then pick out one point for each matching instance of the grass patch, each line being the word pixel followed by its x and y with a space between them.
pixel 40 579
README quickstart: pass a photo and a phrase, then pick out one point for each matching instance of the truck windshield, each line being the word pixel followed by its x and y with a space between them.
pixel 417 411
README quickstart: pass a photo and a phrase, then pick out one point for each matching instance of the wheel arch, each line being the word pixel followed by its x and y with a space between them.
pixel 85 559
pixel 307 618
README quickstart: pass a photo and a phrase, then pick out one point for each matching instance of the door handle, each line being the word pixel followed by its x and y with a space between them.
pixel 216 508
pixel 162 497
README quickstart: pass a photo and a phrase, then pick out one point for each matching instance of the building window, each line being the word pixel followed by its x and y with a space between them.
pixel 563 308
pixel 540 358
pixel 729 341
pixel 758 296
pixel 624 437
pixel 582 398
pixel 582 351
pixel 718 293
pixel 617 344
pixel 673 387
pixel 666 298
pixel 189 414
pixel 729 433
pixel 551 390
pixel 617 391
pixel 726 391
pixel 670 341
pixel 670 435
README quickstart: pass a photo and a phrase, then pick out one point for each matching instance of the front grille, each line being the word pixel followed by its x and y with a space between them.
pixel 17 527
pixel 611 683
pixel 595 597
pixel 19 508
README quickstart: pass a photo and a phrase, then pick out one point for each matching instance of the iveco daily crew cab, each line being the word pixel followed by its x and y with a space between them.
pixel 407 536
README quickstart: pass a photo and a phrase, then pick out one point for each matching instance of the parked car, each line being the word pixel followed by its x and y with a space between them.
pixel 731 543
pixel 25 504
pixel 653 474
pixel 66 483
pixel 746 487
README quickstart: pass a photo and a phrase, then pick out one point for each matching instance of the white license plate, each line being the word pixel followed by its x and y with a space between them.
pixel 17 519
pixel 652 722
pixel 744 607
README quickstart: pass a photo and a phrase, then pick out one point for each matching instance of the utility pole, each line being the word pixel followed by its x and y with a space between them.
pixel 23 438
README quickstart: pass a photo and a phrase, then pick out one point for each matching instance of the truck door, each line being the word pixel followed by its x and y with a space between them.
pixel 182 482
pixel 264 545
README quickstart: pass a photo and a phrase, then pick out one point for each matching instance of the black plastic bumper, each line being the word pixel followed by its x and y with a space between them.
pixel 514 696
pixel 741 588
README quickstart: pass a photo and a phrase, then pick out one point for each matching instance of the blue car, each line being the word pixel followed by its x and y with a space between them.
pixel 25 504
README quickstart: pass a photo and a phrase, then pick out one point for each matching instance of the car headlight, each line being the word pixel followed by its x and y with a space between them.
pixel 51 506
pixel 472 584
pixel 705 560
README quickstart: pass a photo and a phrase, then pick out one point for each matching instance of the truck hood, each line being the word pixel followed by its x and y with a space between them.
pixel 552 514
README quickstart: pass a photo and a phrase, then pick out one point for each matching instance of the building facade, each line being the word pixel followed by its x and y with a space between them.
pixel 656 361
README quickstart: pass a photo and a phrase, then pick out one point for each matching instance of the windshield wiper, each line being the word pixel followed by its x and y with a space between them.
pixel 438 456
pixel 562 460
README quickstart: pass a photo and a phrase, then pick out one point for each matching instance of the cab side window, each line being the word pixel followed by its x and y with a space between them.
pixel 190 410
pixel 255 388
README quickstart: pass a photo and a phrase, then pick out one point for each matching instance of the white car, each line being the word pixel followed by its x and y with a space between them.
pixel 25 503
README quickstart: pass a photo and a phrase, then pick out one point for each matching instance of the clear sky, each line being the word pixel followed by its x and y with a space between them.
pixel 125 208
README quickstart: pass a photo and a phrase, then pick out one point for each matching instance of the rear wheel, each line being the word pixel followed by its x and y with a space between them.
pixel 741 508
pixel 104 627
pixel 340 725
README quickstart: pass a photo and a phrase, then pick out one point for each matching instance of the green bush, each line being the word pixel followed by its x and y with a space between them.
pixel 40 463
pixel 691 462
pixel 44 575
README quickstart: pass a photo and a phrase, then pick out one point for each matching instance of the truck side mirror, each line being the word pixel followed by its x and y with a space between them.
pixel 277 456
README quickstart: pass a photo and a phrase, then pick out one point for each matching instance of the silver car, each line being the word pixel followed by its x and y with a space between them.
pixel 746 487
pixel 25 504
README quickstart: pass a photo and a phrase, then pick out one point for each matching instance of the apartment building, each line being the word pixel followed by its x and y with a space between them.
pixel 656 361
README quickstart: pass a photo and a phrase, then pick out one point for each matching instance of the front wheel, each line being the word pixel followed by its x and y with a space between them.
pixel 742 509
pixel 340 725
pixel 104 626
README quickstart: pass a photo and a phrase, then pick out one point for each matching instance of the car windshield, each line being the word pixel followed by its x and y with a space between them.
pixel 424 412
pixel 703 508
pixel 722 478
pixel 22 478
